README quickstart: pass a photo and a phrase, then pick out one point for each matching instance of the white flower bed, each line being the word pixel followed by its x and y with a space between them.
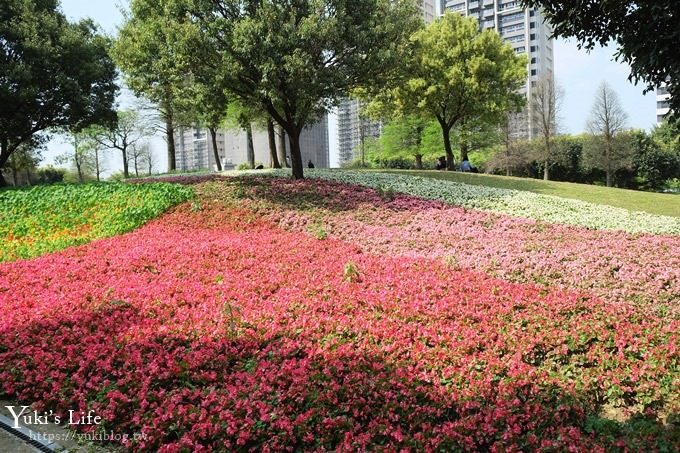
pixel 516 203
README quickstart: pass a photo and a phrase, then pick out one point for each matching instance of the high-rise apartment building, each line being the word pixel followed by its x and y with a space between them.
pixel 195 150
pixel 354 130
pixel 662 105
pixel 524 29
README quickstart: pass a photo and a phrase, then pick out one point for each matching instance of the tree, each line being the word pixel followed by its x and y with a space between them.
pixel 403 137
pixel 646 33
pixel 457 74
pixel 149 51
pixel 54 73
pixel 98 161
pixel 271 135
pixel 545 107
pixel 658 155
pixel 608 150
pixel 511 154
pixel 297 59
pixel 81 155
pixel 137 154
pixel 128 131
pixel 148 159
pixel 570 165
pixel 25 158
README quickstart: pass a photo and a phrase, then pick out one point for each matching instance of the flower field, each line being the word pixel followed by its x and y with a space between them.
pixel 280 315
pixel 48 218
pixel 512 202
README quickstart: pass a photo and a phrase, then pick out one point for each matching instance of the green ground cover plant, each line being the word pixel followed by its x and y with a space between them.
pixel 44 219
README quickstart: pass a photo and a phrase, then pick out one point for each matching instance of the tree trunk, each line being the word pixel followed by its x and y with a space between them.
pixel 136 166
pixel 608 171
pixel 419 161
pixel 28 176
pixel 15 176
pixel 79 169
pixel 272 144
pixel 126 166
pixel 282 148
pixel 97 168
pixel 4 155
pixel 213 136
pixel 450 160
pixel 463 152
pixel 507 162
pixel 170 139
pixel 251 147
pixel 295 154
pixel 546 168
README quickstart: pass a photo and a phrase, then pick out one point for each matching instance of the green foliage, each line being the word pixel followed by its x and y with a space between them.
pixel 458 75
pixel 152 51
pixel 386 192
pixel 50 175
pixel 63 69
pixel 646 33
pixel 657 161
pixel 81 156
pixel 405 139
pixel 49 218
pixel 320 232
pixel 297 59
pixel 351 273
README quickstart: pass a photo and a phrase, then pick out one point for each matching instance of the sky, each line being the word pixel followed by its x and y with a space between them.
pixel 576 71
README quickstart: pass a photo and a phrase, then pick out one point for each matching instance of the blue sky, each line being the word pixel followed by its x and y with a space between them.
pixel 577 71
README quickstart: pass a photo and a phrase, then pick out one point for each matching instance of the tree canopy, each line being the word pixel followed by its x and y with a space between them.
pixel 457 74
pixel 297 59
pixel 54 73
pixel 152 50
pixel 646 33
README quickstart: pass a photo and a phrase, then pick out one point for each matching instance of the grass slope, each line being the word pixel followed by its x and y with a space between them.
pixel 653 203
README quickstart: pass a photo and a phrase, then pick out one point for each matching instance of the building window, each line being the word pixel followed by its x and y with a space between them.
pixel 533 48
pixel 512 29
pixel 510 17
pixel 533 72
pixel 533 60
pixel 532 37
pixel 532 25
pixel 517 38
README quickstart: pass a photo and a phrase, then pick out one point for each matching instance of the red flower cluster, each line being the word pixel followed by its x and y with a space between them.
pixel 214 329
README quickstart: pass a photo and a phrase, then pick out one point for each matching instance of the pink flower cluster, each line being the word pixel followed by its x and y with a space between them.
pixel 216 330
pixel 616 266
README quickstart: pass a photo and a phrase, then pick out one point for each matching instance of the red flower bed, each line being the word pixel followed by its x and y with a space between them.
pixel 214 329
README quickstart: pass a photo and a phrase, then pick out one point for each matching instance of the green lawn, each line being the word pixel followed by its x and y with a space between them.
pixel 653 203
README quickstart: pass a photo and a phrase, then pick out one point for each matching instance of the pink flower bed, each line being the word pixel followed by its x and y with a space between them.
pixel 613 265
pixel 216 330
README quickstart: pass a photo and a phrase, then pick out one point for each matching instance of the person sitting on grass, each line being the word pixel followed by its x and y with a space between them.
pixel 466 166
pixel 441 163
